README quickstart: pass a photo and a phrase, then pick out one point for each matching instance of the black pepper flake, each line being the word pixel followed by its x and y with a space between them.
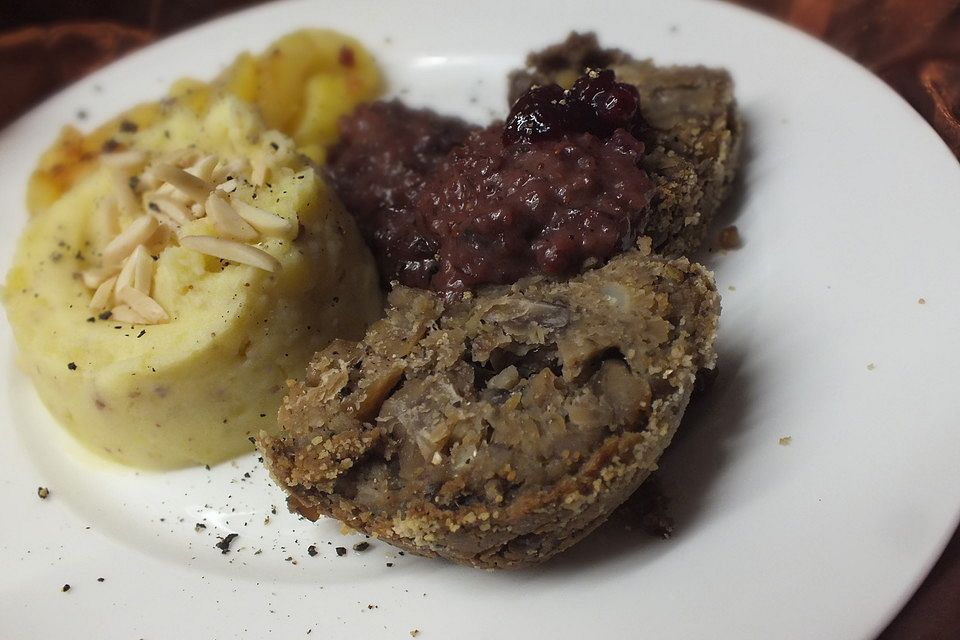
pixel 72 366
pixel 312 550
pixel 274 146
pixel 341 551
pixel 225 542
pixel 361 546
pixel 128 127
pixel 105 315
pixel 43 492
pixel 100 579
pixel 153 206
pixel 65 588
pixel 134 182
pixel 389 564
pixel 142 333
pixel 110 145
pixel 91 319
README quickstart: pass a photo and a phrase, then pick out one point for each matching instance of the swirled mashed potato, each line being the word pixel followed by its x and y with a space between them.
pixel 163 299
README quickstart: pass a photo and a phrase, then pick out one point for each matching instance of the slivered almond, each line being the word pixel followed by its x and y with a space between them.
pixel 230 169
pixel 183 157
pixel 174 209
pixel 228 186
pixel 227 221
pixel 258 170
pixel 143 305
pixel 93 278
pixel 125 277
pixel 203 168
pixel 167 190
pixel 148 180
pixel 142 269
pixel 101 297
pixel 231 250
pixel 124 159
pixel 265 222
pixel 137 232
pixel 123 313
pixel 167 221
pixel 187 183
pixel 126 200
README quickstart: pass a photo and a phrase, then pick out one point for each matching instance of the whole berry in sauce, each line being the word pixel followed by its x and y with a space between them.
pixel 595 104
pixel 539 114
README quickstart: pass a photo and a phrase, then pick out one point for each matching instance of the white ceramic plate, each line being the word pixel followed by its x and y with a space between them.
pixel 850 210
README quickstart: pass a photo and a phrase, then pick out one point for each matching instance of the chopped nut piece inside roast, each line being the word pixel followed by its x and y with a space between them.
pixel 502 428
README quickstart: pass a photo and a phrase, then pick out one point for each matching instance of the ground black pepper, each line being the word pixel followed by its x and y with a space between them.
pixel 361 546
pixel 72 366
pixel 341 551
pixel 312 550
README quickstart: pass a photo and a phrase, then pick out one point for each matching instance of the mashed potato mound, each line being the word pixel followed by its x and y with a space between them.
pixel 162 301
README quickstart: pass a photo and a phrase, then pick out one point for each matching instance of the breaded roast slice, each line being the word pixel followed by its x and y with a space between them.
pixel 502 428
pixel 694 135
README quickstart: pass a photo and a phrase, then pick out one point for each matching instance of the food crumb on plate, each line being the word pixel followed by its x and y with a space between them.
pixel 65 588
pixel 921 301
pixel 414 633
pixel 43 492
pixel 729 238
pixel 785 440
pixel 871 367
pixel 225 542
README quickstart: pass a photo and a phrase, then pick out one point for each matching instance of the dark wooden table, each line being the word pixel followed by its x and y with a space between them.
pixel 914 45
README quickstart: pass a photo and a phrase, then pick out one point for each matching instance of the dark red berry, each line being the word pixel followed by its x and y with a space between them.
pixel 596 104
pixel 536 115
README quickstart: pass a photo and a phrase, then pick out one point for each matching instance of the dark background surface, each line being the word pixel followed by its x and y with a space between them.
pixel 914 45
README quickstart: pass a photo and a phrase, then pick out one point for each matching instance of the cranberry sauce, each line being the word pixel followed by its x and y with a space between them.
pixel 451 208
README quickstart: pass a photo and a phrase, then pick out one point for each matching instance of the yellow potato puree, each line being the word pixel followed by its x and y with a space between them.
pixel 163 299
